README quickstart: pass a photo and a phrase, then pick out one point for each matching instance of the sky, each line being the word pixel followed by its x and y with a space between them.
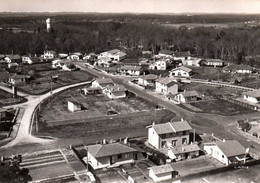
pixel 132 6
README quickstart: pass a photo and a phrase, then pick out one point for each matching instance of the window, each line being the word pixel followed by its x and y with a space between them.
pixel 163 136
pixel 119 156
pixel 163 144
pixel 174 142
pixel 126 156
pixel 184 141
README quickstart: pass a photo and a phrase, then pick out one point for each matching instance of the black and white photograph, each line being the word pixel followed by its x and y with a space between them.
pixel 129 91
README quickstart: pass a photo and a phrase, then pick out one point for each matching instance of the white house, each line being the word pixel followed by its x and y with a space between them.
pixel 252 96
pixel 186 96
pixel 63 55
pixel 166 86
pixel 184 152
pixel 49 54
pixel 13 59
pixel 192 62
pixel 226 151
pixel 102 82
pixel 115 55
pixel 181 72
pixel 64 64
pixel 75 56
pixel 74 106
pixel 115 92
pixel 162 172
pixel 104 155
pixel 147 80
pixel 160 64
pixel 104 61
pixel 240 69
pixel 183 55
pixel 18 79
pixel 212 62
pixel 131 70
pixel 30 60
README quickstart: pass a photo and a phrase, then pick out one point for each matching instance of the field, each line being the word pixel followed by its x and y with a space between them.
pixel 99 115
pixel 42 82
pixel 216 25
pixel 6 98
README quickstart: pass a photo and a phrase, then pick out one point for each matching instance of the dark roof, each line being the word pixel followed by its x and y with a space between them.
pixel 149 77
pixel 182 68
pixel 166 81
pixel 255 93
pixel 171 127
pixel 212 60
pixel 231 147
pixel 104 150
pixel 184 149
pixel 116 88
pixel 105 81
pixel 238 67
pixel 13 57
pixel 190 93
pixel 161 169
pixel 166 52
pixel 131 67
pixel 183 54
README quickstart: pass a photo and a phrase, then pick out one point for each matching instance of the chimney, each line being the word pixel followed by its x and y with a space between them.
pixel 182 119
pixel 104 141
pixel 224 140
pixel 126 140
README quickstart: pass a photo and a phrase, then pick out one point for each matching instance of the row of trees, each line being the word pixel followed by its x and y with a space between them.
pixel 209 42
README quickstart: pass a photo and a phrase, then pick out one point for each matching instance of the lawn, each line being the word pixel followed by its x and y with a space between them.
pixel 221 107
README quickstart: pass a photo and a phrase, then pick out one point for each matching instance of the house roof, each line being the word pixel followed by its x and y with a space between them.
pixel 104 150
pixel 13 57
pixel 149 77
pixel 114 51
pixel 238 67
pixel 166 52
pixel 231 147
pixel 255 93
pixel 166 81
pixel 121 54
pixel 16 76
pixel 183 54
pixel 116 88
pixel 105 59
pixel 212 60
pixel 190 93
pixel 182 68
pixel 171 127
pixel 105 81
pixel 131 67
pixel 184 149
pixel 161 169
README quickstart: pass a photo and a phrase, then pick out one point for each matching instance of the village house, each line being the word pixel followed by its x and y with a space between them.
pixel 239 69
pixel 252 96
pixel 13 58
pixel 12 64
pixel 212 62
pixel 62 55
pixel 89 56
pixel 30 60
pixel 115 55
pixel 192 62
pixel 49 54
pixel 162 172
pixel 166 53
pixel 173 138
pixel 63 64
pixel 187 96
pixel 75 56
pixel 105 155
pixel 18 79
pixel 104 62
pixel 102 83
pixel 226 151
pixel 115 92
pixel 181 72
pixel 132 70
pixel 183 55
pixel 166 86
pixel 160 64
pixel 147 80
pixel 73 105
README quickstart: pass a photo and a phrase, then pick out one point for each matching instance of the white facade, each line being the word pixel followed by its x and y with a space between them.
pixel 158 65
pixel 73 57
pixel 153 138
pixel 73 107
pixel 49 54
pixel 250 99
pixel 26 60
pixel 179 73
pixel 216 153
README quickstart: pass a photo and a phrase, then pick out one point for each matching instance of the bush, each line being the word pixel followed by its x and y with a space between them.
pixel 245 126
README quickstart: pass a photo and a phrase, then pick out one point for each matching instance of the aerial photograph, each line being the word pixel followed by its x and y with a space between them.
pixel 130 91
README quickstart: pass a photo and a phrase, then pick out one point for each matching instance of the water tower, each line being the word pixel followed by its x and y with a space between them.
pixel 48 24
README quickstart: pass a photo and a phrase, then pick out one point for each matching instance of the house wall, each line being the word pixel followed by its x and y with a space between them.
pixel 180 98
pixel 182 58
pixel 73 107
pixel 160 177
pixel 173 139
pixel 250 99
pixel 173 89
pixel 153 138
pixel 216 153
pixel 180 72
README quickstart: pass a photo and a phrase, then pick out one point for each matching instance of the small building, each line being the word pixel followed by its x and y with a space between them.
pixel 252 96
pixel 162 172
pixel 192 62
pixel 181 72
pixel 166 53
pixel 160 64
pixel 12 64
pixel 74 106
pixel 212 62
pixel 226 151
pixel 49 54
pixel 166 86
pixel 92 90
pixel 147 80
pixel 187 96
pixel 63 64
pixel 30 60
pixel 115 55
pixel 183 55
pixel 62 55
pixel 75 56
pixel 239 69
pixel 104 62
pixel 18 79
pixel 13 58
pixel 104 155
pixel 115 92
pixel 132 70
pixel 102 83
pixel 184 152
pixel 169 135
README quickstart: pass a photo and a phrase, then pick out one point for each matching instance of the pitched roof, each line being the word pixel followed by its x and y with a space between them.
pixel 182 68
pixel 231 147
pixel 190 93
pixel 255 93
pixel 166 81
pixel 171 127
pixel 212 60
pixel 161 169
pixel 185 149
pixel 16 76
pixel 116 88
pixel 183 54
pixel 13 57
pixel 131 67
pixel 238 67
pixel 149 77
pixel 114 51
pixel 104 150
pixel 105 81
pixel 166 52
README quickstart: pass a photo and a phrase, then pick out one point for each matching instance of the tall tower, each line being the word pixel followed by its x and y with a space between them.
pixel 48 24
